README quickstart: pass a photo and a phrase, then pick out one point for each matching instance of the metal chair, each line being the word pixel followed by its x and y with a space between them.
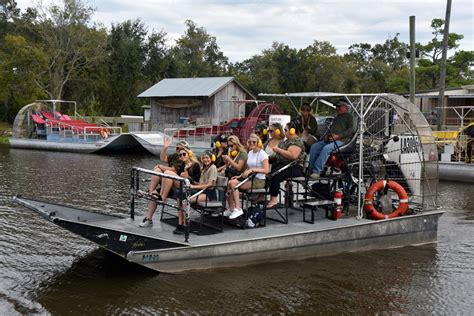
pixel 212 207
pixel 253 196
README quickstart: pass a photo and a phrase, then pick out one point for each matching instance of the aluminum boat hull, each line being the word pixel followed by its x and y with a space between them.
pixel 158 249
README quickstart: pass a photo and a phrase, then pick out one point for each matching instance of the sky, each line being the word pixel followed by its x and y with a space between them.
pixel 245 28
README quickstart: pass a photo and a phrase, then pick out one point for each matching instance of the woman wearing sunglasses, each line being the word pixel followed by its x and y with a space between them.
pixel 219 151
pixel 207 179
pixel 175 166
pixel 236 159
pixel 289 150
pixel 191 169
pixel 276 135
pixel 257 163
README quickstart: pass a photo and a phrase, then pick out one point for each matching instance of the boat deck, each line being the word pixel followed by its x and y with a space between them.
pixel 164 231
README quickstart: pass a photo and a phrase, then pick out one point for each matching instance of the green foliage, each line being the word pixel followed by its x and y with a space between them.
pixel 127 55
pixel 429 66
pixel 375 66
pixel 197 54
pixel 56 51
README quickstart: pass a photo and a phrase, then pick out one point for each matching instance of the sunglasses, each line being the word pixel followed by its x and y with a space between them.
pixel 306 109
pixel 251 142
pixel 178 148
pixel 231 144
pixel 183 154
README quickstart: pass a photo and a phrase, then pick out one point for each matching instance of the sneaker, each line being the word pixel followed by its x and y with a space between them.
pixel 146 223
pixel 249 223
pixel 314 176
pixel 227 212
pixel 236 213
pixel 179 230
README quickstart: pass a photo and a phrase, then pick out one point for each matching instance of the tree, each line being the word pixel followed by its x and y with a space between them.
pixel 429 64
pixel 159 62
pixel 68 44
pixel 375 65
pixel 9 12
pixel 127 51
pixel 322 68
pixel 460 68
pixel 15 87
pixel 197 53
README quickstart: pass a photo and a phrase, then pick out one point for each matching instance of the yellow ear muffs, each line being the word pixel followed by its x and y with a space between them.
pixel 233 153
pixel 292 131
pixel 277 132
pixel 260 144
pixel 209 154
pixel 218 144
pixel 265 132
pixel 190 154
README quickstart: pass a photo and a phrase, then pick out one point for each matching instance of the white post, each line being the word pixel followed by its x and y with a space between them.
pixel 361 157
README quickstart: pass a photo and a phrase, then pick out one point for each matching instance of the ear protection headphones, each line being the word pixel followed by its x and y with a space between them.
pixel 234 153
pixel 190 154
pixel 265 131
pixel 292 131
pixel 277 131
pixel 218 144
pixel 260 144
pixel 210 154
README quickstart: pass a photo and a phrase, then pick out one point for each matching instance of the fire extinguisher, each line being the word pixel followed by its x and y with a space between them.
pixel 338 200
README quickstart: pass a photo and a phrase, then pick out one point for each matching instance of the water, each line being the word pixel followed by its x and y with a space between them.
pixel 44 269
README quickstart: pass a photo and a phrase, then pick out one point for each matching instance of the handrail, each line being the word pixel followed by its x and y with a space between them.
pixel 184 188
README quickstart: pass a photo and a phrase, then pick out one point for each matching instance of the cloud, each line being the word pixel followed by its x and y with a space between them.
pixel 244 28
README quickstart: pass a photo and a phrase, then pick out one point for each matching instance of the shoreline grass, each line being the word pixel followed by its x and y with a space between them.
pixel 5 132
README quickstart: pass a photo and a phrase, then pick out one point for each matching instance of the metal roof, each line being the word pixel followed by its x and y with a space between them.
pixel 188 87
pixel 449 96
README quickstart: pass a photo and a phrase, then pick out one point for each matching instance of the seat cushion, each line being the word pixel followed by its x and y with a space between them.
pixel 296 179
pixel 210 204
pixel 255 191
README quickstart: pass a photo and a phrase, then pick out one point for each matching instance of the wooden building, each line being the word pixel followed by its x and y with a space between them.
pixel 460 102
pixel 176 101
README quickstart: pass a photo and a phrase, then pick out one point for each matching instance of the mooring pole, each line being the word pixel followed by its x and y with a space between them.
pixel 442 72
pixel 412 59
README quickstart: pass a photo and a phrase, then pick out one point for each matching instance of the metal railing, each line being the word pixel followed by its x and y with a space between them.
pixel 184 193
pixel 193 134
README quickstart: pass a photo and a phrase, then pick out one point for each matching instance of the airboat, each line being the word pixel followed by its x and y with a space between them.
pixel 456 161
pixel 201 137
pixel 393 145
pixel 40 125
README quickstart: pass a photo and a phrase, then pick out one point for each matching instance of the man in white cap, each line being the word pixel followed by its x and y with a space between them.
pixel 341 130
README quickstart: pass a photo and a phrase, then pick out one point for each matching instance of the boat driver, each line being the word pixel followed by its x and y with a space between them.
pixel 340 132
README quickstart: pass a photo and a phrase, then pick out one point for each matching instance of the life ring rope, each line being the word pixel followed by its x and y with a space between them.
pixel 382 185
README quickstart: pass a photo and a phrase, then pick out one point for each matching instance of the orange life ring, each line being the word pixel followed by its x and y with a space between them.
pixel 104 133
pixel 380 185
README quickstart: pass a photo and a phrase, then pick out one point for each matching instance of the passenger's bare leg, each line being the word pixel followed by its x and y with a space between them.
pixel 155 180
pixel 166 185
pixel 273 201
pixel 231 196
pixel 151 209
pixel 247 185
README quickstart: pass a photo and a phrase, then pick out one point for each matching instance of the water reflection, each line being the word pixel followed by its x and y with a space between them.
pixel 371 282
pixel 46 269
